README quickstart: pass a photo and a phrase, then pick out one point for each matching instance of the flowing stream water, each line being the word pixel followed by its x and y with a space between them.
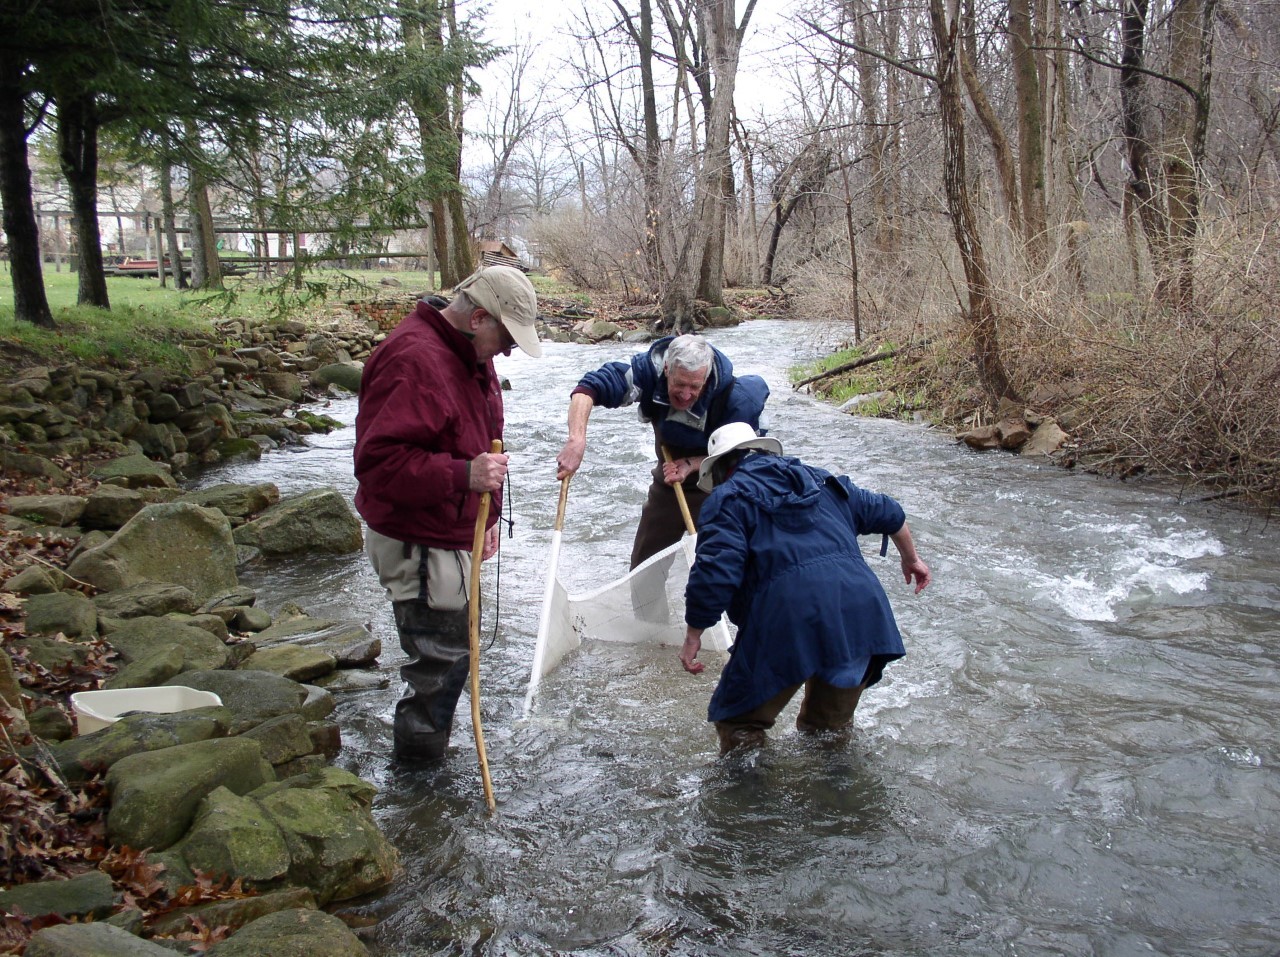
pixel 1077 756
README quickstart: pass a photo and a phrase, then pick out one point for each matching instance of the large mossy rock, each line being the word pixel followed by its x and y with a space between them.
pixel 292 661
pixel 314 830
pixel 335 847
pixel 146 599
pixel 68 612
pixel 85 895
pixel 345 375
pixel 251 697
pixel 292 933
pixel 232 914
pixel 319 521
pixel 36 465
pixel 110 506
pixel 350 643
pixel 135 471
pixel 231 835
pixel 234 499
pixel 139 639
pixel 154 795
pixel 61 510
pixel 81 758
pixel 175 542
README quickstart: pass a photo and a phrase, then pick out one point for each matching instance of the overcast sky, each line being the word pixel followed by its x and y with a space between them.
pixel 547 21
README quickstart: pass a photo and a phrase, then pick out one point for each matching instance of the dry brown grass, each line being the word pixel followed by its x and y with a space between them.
pixel 1192 393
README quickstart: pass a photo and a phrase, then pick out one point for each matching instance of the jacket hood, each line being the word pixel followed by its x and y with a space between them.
pixel 781 485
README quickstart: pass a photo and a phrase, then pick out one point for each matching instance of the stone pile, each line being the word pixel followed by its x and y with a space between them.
pixel 246 790
pixel 235 400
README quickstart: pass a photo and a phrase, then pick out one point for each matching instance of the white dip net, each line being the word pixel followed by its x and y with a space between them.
pixel 646 606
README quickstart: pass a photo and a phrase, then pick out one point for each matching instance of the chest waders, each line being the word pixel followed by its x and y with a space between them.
pixel 438 648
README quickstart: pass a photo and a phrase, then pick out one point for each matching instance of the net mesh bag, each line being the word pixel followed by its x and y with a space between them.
pixel 645 606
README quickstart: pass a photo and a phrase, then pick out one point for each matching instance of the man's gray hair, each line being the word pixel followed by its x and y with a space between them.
pixel 690 353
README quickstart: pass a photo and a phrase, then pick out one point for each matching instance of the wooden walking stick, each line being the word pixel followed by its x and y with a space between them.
pixel 717 637
pixel 683 502
pixel 473 625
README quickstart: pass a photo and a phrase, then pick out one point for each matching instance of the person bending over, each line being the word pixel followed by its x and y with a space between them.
pixel 778 550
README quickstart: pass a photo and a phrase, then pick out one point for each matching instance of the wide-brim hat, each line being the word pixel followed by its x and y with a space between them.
pixel 505 293
pixel 731 438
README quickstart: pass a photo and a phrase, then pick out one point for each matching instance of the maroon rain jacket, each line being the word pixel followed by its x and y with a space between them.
pixel 427 407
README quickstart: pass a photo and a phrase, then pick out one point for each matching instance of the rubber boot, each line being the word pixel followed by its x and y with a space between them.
pixel 735 736
pixel 436 672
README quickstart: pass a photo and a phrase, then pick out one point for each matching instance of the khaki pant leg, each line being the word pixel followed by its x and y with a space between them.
pixel 826 707
pixel 747 730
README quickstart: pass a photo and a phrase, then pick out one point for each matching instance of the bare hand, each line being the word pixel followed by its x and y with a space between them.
pixel 570 458
pixel 689 653
pixel 491 542
pixel 673 473
pixel 488 469
pixel 919 571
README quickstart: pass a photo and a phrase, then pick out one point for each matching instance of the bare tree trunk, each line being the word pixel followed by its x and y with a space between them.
pixel 1191 60
pixel 438 109
pixel 205 271
pixel 980 311
pixel 651 151
pixel 853 253
pixel 1030 130
pixel 1006 170
pixel 751 227
pixel 78 154
pixel 170 225
pixel 30 303
pixel 1141 187
pixel 724 39
pixel 463 260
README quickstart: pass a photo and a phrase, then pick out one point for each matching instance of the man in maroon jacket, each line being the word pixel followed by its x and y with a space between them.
pixel 430 406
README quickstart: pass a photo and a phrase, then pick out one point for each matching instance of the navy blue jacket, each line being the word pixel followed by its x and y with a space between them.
pixel 725 399
pixel 778 549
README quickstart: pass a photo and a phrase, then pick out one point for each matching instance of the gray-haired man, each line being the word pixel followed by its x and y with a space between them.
pixel 686 388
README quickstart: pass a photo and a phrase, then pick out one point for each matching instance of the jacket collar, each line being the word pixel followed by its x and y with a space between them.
pixel 459 344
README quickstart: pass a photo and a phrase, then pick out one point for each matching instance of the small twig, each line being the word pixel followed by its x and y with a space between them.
pixel 63 571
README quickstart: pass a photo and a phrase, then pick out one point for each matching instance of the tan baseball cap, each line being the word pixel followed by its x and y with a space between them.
pixel 506 294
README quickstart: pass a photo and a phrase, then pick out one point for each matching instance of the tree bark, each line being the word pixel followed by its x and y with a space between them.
pixel 1030 130
pixel 170 224
pixel 980 311
pixel 30 303
pixel 1006 167
pixel 1144 192
pixel 725 41
pixel 78 155
pixel 438 109
pixel 1191 58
